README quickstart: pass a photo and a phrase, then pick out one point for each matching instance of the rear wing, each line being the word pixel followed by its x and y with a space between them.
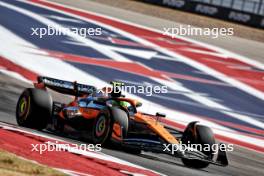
pixel 64 87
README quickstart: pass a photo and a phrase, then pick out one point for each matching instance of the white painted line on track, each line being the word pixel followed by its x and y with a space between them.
pixel 176 116
pixel 200 99
pixel 210 71
pixel 97 155
pixel 45 65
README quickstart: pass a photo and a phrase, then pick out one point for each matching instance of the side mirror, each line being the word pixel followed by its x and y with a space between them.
pixel 139 104
pixel 159 114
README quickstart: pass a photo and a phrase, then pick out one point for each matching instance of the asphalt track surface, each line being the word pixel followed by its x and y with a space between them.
pixel 242 161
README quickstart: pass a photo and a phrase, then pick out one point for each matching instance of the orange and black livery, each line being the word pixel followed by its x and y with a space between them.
pixel 103 116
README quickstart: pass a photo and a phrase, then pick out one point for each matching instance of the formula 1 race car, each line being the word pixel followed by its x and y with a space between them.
pixel 105 116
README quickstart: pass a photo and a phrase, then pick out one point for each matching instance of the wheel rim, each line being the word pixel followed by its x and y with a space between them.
pixel 100 126
pixel 23 108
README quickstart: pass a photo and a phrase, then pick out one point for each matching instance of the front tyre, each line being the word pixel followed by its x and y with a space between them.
pixel 34 108
pixel 198 134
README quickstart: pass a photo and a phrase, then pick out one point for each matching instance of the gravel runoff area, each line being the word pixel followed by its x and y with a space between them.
pixel 12 165
pixel 185 17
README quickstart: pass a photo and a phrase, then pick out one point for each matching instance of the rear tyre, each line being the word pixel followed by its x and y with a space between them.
pixel 101 129
pixel 121 117
pixel 34 109
pixel 201 135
